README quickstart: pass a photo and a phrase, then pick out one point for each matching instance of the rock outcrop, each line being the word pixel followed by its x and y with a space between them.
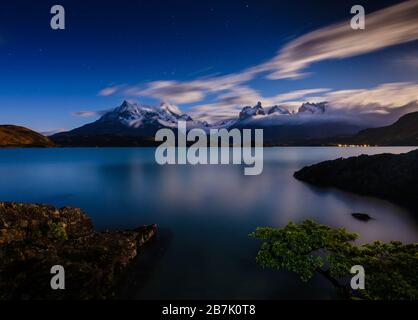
pixel 388 176
pixel 33 238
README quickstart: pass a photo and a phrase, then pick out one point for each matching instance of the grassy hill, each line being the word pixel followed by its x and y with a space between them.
pixel 18 137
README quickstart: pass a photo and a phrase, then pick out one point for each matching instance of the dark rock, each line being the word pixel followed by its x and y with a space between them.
pixel 361 216
pixel 389 176
pixel 33 238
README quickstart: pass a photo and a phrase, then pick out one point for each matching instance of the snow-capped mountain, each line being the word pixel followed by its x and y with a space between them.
pixel 130 124
pixel 135 115
pixel 313 107
pixel 248 112
pixel 133 124
pixel 282 127
pixel 279 114
pixel 258 111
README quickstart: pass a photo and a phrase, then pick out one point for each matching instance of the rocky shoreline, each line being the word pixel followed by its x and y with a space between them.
pixel 388 176
pixel 35 237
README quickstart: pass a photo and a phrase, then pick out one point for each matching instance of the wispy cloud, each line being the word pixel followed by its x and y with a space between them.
pixel 408 61
pixel 190 91
pixel 201 71
pixel 388 95
pixel 109 90
pixel 228 105
pixel 90 113
pixel 387 27
pixel 52 132
pixel 173 91
pixel 390 26
pixel 381 99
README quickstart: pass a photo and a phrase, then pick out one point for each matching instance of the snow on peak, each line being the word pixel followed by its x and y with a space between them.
pixel 135 115
pixel 313 107
pixel 170 108
pixel 278 109
pixel 130 108
pixel 248 111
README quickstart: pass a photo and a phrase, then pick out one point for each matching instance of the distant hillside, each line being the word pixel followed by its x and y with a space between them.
pixel 403 132
pixel 15 137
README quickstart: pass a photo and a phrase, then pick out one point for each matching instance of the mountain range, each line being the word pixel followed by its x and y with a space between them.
pixel 403 132
pixel 133 124
pixel 312 124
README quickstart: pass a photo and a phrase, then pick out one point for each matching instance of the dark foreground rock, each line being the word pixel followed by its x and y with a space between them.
pixel 361 216
pixel 33 238
pixel 388 176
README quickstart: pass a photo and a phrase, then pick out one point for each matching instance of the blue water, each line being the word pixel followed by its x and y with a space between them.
pixel 207 210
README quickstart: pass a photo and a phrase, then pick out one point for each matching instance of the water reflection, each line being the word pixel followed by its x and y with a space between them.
pixel 209 211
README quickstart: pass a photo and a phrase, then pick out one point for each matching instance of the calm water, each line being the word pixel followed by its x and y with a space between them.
pixel 205 213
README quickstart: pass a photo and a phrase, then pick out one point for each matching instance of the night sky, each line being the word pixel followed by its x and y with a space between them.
pixel 149 51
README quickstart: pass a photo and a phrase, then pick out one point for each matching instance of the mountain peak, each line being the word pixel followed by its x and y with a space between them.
pixel 134 115
pixel 127 107
pixel 313 108
pixel 278 109
pixel 165 106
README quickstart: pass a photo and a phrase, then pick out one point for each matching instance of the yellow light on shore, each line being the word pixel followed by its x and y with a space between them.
pixel 353 145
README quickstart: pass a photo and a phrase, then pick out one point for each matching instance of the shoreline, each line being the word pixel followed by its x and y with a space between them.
pixel 34 238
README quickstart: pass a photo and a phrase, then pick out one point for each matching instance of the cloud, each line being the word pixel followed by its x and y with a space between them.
pixel 191 91
pixel 297 94
pixel 382 99
pixel 109 91
pixel 387 27
pixel 229 104
pixel 201 71
pixel 172 91
pixel 388 95
pixel 408 61
pixel 52 132
pixel 90 113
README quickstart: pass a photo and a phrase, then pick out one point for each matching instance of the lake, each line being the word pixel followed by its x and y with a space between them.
pixel 205 213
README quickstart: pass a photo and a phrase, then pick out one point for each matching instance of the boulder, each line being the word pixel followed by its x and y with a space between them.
pixel 361 216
